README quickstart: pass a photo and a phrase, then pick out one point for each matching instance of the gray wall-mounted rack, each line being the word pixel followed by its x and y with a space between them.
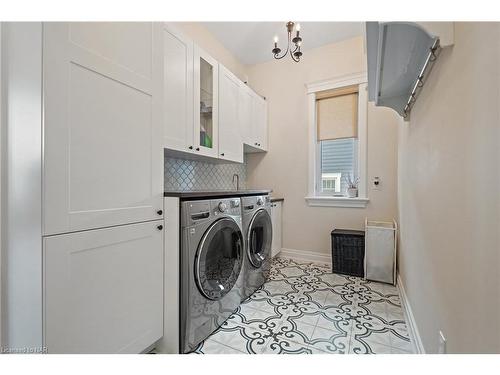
pixel 400 57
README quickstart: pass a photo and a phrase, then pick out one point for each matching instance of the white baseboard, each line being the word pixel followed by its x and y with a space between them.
pixel 410 319
pixel 305 256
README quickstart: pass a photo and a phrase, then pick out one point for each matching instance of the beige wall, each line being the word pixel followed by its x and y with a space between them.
pixel 449 196
pixel 210 44
pixel 285 167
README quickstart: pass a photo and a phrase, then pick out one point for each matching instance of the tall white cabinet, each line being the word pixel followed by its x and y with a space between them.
pixel 103 168
pixel 92 280
pixel 102 125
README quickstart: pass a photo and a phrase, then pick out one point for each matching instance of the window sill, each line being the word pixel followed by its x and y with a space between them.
pixel 326 201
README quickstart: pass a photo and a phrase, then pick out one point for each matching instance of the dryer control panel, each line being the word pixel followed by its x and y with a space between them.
pixel 253 203
pixel 198 211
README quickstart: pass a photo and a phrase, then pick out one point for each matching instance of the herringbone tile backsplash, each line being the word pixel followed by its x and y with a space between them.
pixel 188 175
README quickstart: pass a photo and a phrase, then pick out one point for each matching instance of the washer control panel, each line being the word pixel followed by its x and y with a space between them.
pixel 226 206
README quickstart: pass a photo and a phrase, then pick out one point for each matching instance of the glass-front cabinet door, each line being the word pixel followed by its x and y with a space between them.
pixel 206 78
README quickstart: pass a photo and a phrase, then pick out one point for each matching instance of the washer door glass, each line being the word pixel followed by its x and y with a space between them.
pixel 259 239
pixel 219 258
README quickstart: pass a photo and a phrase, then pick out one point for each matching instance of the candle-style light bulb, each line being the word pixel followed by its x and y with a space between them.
pixel 298 27
pixel 275 39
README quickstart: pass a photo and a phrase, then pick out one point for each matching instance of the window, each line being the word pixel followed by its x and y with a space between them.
pixel 337 129
pixel 330 182
pixel 338 160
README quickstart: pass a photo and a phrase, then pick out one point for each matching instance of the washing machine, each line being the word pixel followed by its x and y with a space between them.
pixel 258 233
pixel 212 253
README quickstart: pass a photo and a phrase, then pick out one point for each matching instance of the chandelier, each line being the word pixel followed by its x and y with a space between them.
pixel 297 41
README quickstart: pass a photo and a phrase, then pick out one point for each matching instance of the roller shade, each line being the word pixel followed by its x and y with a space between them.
pixel 337 113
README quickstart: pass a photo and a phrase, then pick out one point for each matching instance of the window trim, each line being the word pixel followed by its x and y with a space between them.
pixel 315 198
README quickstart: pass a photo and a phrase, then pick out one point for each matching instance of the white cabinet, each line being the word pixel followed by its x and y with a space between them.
pixel 103 289
pixel 253 115
pixel 230 142
pixel 276 218
pixel 245 113
pixel 207 110
pixel 103 160
pixel 260 122
pixel 206 103
pixel 178 91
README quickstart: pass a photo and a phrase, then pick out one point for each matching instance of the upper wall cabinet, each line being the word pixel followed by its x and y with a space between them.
pixel 178 91
pixel 400 55
pixel 253 114
pixel 230 142
pixel 245 111
pixel 206 103
pixel 208 111
pixel 260 122
pixel 102 124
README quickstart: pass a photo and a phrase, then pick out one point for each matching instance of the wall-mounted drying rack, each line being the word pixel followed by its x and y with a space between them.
pixel 400 58
pixel 419 82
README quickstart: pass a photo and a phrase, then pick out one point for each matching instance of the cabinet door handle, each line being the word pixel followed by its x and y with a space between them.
pixel 159 212
pixel 197 149
pixel 222 154
pixel 190 147
pixel 160 227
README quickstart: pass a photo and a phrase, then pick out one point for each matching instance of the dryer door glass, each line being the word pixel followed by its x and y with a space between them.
pixel 259 239
pixel 219 258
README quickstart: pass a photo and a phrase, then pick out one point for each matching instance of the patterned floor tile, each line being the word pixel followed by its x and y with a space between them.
pixel 280 346
pixel 368 347
pixel 367 335
pixel 213 347
pixel 330 341
pixel 303 308
pixel 244 339
pixel 298 329
pixel 395 350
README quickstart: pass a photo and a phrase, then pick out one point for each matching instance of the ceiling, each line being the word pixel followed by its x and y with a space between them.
pixel 251 42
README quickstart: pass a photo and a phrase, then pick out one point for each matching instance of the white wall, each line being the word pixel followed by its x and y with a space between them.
pixel 207 41
pixel 449 196
pixel 284 168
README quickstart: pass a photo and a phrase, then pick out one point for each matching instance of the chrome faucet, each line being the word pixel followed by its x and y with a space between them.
pixel 237 181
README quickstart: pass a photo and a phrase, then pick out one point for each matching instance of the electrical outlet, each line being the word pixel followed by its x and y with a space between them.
pixel 376 183
pixel 442 343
